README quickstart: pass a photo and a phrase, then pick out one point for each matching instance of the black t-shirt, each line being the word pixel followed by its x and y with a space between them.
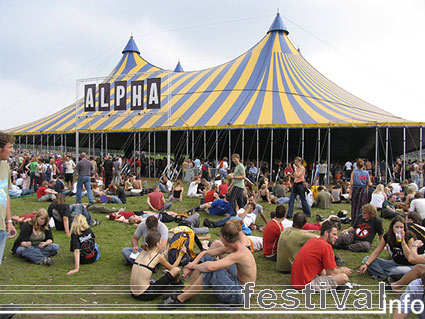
pixel 58 211
pixel 397 252
pixel 59 186
pixel 121 195
pixel 365 230
pixel 86 244
pixel 419 232
pixel 107 166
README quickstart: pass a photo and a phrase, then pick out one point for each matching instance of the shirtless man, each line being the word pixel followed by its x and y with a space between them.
pixel 225 276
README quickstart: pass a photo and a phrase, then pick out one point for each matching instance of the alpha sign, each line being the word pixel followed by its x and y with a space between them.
pixel 136 95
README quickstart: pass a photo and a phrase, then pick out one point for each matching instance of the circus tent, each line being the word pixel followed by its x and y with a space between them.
pixel 271 86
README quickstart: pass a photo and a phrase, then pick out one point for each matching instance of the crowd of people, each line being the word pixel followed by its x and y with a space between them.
pixel 235 193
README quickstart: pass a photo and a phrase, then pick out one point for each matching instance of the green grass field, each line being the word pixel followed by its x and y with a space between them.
pixel 104 285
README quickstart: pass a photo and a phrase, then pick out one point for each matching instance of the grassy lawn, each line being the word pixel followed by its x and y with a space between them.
pixel 104 285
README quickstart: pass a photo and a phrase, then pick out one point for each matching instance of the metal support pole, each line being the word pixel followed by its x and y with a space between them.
pixel 33 144
pixel 149 149
pixel 154 154
pixel 47 143
pixel 258 149
pixel 205 144
pixel 376 152
pixel 386 155
pixel 329 154
pixel 139 145
pixel 302 143
pixel 216 146
pixel 134 153
pixel 41 142
pixel 420 157
pixel 318 145
pixel 287 145
pixel 89 138
pixel 54 141
pixel 168 152
pixel 19 142
pixel 187 143
pixel 26 141
pixel 65 148
pixel 62 149
pixel 271 156
pixel 404 153
pixel 193 146
pixel 101 145
pixel 243 145
pixel 106 143
pixel 230 145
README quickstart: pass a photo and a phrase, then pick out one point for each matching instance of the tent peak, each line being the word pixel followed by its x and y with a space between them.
pixel 131 46
pixel 179 67
pixel 278 25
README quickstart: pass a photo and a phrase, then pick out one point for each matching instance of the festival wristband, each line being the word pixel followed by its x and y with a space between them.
pixel 367 263
pixel 9 221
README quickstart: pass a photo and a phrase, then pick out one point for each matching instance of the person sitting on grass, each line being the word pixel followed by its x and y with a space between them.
pixel 44 193
pixel 150 224
pixel 218 207
pixel 156 200
pixel 177 193
pixel 35 241
pixel 144 266
pixel 359 237
pixel 399 240
pixel 83 244
pixel 226 276
pixel 315 262
pixel 60 211
pixel 272 233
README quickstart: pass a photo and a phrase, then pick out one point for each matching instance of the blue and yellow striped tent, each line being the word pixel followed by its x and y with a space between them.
pixel 269 86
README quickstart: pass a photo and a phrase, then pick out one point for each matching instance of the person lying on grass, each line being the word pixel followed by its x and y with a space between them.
pixel 83 244
pixel 144 266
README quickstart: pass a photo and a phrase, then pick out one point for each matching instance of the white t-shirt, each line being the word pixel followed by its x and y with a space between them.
pixel 418 205
pixel 348 166
pixel 193 188
pixel 287 223
pixel 377 200
pixel 249 218
pixel 396 188
pixel 169 185
pixel 69 167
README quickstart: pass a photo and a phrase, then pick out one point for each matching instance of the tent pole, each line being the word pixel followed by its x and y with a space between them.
pixel 154 154
pixel 101 145
pixel 205 144
pixel 243 144
pixel 302 143
pixel 168 151
pixel 62 142
pixel 376 152
pixel 287 146
pixel 106 143
pixel 47 142
pixel 19 142
pixel 318 141
pixel 138 146
pixel 216 145
pixel 230 144
pixel 329 155
pixel 26 141
pixel 134 153
pixel 404 153
pixel 258 149
pixel 41 142
pixel 271 156
pixel 54 141
pixel 187 143
pixel 149 150
pixel 89 138
pixel 65 148
pixel 193 146
pixel 420 155
pixel 386 155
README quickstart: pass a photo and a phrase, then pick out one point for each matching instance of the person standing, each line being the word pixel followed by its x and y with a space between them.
pixel 236 195
pixel 107 170
pixel 298 188
pixel 69 172
pixel 84 169
pixel 360 182
pixel 6 226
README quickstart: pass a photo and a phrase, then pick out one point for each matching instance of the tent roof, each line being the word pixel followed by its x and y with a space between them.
pixel 270 85
pixel 178 68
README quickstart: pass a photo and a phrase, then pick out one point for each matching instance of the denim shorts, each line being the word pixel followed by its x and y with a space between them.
pixel 224 282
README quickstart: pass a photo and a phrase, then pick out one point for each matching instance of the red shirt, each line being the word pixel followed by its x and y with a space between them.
pixel 156 199
pixel 223 189
pixel 126 215
pixel 209 197
pixel 271 237
pixel 315 256
pixel 41 191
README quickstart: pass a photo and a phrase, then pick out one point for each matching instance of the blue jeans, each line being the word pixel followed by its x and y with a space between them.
pixel 84 180
pixel 224 282
pixel 298 189
pixel 126 252
pixel 3 237
pixel 80 209
pixel 380 269
pixel 33 181
pixel 36 254
pixel 283 200
pixel 221 222
pixel 115 199
pixel 162 188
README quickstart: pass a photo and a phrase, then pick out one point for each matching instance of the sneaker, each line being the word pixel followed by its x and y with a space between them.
pixel 208 223
pixel 172 294
pixel 171 303
pixel 320 218
pixel 95 222
pixel 191 211
pixel 122 209
pixel 48 261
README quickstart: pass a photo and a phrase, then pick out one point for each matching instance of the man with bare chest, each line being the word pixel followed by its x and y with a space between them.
pixel 226 276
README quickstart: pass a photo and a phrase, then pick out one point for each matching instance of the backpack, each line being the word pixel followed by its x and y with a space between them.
pixel 183 236
pixel 48 169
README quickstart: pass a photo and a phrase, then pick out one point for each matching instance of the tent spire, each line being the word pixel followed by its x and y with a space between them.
pixel 179 67
pixel 278 24
pixel 131 46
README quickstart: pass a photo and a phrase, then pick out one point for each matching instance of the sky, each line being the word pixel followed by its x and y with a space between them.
pixel 374 49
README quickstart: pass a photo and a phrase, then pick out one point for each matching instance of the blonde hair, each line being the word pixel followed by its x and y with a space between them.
pixel 40 213
pixel 379 189
pixel 79 224
pixel 411 190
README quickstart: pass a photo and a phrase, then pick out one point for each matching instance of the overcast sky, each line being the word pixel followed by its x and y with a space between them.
pixel 374 49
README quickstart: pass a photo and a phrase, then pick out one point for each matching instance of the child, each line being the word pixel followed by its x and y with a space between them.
pixel 144 266
pixel 83 244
